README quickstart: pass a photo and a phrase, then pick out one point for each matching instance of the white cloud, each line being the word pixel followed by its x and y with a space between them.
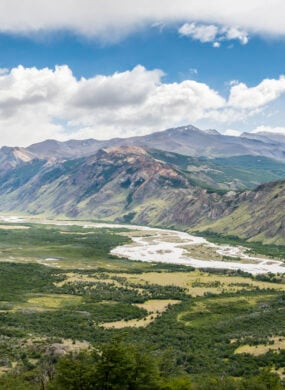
pixel 216 44
pixel 37 104
pixel 232 132
pixel 203 33
pixel 127 88
pixel 235 33
pixel 163 106
pixel 269 129
pixel 212 33
pixel 232 82
pixel 28 87
pixel 108 19
pixel 242 96
pixel 4 70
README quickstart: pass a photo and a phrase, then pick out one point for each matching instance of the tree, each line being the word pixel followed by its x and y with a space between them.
pixel 115 367
pixel 74 372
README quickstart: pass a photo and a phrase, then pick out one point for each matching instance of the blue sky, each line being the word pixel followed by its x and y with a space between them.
pixel 64 78
pixel 178 56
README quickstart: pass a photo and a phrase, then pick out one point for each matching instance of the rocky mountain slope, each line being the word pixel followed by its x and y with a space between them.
pixel 259 216
pixel 13 157
pixel 123 184
pixel 135 185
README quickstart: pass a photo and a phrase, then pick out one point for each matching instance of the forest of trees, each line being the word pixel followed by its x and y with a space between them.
pixel 118 366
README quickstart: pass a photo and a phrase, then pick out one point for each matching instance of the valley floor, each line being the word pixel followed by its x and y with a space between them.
pixel 73 285
pixel 168 246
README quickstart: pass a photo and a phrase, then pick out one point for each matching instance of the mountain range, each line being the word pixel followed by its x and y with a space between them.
pixel 186 140
pixel 183 178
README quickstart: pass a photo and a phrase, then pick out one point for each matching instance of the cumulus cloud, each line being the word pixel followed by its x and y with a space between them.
pixel 242 96
pixel 236 33
pixel 212 33
pixel 160 106
pixel 127 88
pixel 110 20
pixel 32 87
pixel 37 104
pixel 200 32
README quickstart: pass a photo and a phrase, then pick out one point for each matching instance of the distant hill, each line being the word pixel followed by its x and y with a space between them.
pixel 66 150
pixel 266 137
pixel 187 140
pixel 236 173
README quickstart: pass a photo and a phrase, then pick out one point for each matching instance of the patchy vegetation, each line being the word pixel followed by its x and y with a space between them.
pixel 199 327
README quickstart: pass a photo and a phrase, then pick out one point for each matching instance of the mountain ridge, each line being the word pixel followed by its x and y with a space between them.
pixel 135 185
pixel 187 140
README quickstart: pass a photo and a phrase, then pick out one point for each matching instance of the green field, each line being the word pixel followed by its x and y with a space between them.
pixel 61 291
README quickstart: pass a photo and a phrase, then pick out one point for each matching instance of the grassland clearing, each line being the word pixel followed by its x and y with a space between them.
pixel 198 283
pixel 54 301
pixel 14 227
pixel 39 302
pixel 273 344
pixel 154 307
pixel 218 309
pixel 202 252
